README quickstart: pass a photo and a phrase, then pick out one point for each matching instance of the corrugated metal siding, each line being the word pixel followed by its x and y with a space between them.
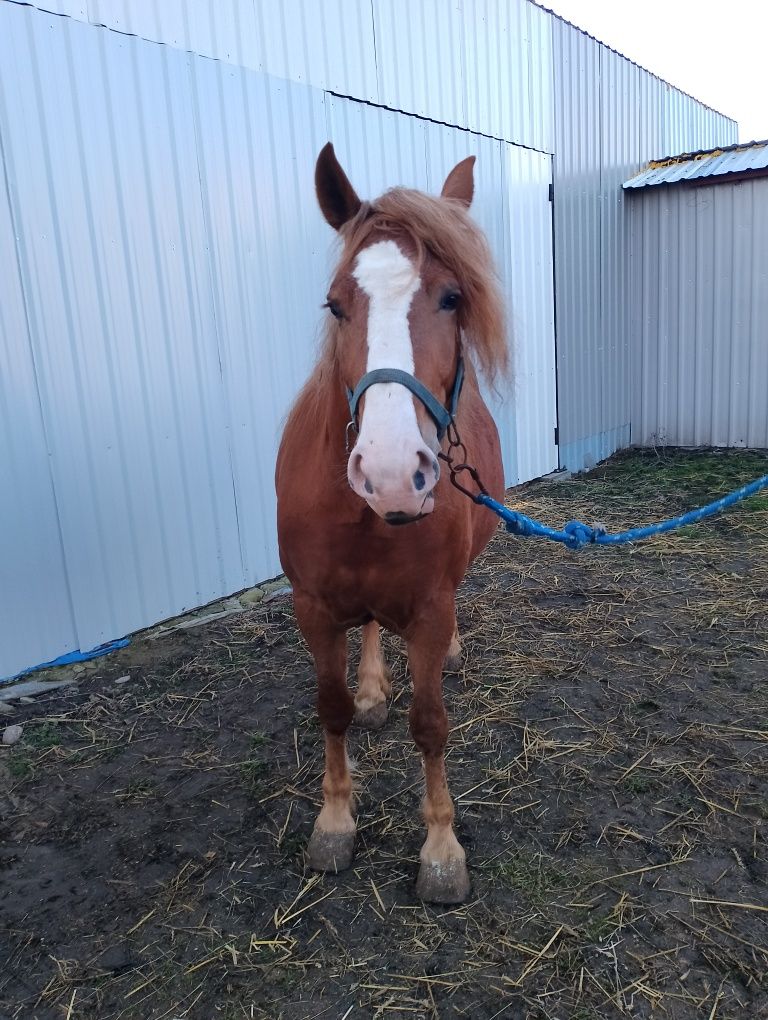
pixel 689 125
pixel 106 200
pixel 611 117
pixel 481 65
pixel 329 45
pixel 165 220
pixel 258 142
pixel 578 283
pixel 700 262
pixel 528 176
pixel 36 621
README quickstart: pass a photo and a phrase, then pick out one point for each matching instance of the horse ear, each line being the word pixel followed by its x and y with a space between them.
pixel 337 198
pixel 460 183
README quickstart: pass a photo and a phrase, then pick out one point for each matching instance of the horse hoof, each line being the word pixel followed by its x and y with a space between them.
pixel 453 663
pixel 330 851
pixel 372 718
pixel 443 882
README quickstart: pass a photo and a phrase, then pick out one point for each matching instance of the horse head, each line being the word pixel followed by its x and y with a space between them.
pixel 399 303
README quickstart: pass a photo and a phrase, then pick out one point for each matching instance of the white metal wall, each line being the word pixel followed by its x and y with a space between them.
pixel 35 608
pixel 700 268
pixel 158 220
pixel 477 64
pixel 611 117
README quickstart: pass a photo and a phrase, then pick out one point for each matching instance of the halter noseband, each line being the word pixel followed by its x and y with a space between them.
pixel 442 416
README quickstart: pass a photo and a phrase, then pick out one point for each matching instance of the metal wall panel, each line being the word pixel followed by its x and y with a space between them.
pixel 481 65
pixel 328 44
pixel 611 117
pixel 701 357
pixel 630 130
pixel 70 8
pixel 258 141
pixel 577 213
pixel 689 126
pixel 378 148
pixel 529 246
pixel 99 143
pixel 36 620
pixel 225 29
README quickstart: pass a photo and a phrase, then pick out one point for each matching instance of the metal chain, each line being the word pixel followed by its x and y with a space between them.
pixel 457 449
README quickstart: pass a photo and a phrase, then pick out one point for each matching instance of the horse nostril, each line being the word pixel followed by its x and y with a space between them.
pixel 419 481
pixel 368 487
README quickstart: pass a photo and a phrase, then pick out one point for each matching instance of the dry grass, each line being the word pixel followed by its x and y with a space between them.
pixel 607 758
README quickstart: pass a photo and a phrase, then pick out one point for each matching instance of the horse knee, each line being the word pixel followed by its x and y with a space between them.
pixel 429 727
pixel 335 707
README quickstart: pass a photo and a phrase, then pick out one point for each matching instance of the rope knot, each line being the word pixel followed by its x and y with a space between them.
pixel 580 534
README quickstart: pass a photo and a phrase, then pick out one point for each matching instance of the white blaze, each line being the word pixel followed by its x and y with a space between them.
pixel 390 280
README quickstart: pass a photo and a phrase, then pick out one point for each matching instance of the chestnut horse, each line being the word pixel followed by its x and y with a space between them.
pixel 414 292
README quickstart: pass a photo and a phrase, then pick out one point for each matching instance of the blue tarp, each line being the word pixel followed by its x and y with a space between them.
pixel 70 657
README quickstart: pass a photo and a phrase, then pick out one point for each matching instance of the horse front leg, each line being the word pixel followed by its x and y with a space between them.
pixel 443 876
pixel 333 837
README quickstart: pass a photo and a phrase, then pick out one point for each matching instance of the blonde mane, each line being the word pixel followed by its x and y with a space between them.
pixel 442 228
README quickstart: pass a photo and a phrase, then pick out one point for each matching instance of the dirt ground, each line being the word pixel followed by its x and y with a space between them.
pixel 609 759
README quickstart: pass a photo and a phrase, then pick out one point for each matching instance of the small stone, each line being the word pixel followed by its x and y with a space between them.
pixel 12 734
pixel 252 596
pixel 232 606
pixel 6 709
pixel 123 679
pixel 278 593
pixel 280 585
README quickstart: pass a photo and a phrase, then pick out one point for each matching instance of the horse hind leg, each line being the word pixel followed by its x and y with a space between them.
pixel 374 681
pixel 455 658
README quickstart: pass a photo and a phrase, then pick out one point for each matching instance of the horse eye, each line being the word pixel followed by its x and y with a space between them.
pixel 334 309
pixel 450 302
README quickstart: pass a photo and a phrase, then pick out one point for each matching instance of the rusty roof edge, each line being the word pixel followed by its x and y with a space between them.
pixel 722 177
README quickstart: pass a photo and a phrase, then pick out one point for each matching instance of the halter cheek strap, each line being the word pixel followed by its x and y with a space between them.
pixel 442 416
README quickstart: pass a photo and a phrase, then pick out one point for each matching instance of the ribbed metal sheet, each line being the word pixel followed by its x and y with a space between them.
pixel 611 118
pixel 258 141
pixel 483 65
pixel 329 45
pixel 701 278
pixel 36 620
pixel 700 165
pixel 578 200
pixel 101 160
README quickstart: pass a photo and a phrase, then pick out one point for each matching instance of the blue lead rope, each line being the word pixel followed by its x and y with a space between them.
pixel 575 534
